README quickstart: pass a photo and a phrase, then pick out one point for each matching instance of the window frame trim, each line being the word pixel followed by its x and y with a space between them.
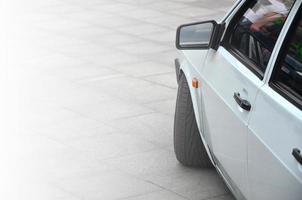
pixel 246 61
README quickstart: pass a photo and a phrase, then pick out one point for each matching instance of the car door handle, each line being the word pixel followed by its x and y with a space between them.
pixel 297 155
pixel 245 104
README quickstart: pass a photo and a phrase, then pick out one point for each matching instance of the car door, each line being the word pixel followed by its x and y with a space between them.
pixel 232 76
pixel 275 127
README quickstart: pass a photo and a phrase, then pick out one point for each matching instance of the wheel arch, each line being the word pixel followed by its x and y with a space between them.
pixel 187 70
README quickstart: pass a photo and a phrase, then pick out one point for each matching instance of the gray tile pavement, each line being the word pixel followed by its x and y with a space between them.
pixel 96 95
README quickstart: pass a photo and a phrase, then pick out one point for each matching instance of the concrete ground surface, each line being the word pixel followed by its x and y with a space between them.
pixel 95 87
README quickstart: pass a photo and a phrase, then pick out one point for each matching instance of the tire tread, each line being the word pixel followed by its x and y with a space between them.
pixel 188 145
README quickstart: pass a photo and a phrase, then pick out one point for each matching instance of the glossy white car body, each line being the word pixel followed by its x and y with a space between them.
pixel 251 150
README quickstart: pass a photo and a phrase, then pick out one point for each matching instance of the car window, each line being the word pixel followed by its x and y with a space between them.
pixel 255 34
pixel 288 73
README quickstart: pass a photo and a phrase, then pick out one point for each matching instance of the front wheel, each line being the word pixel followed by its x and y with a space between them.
pixel 188 146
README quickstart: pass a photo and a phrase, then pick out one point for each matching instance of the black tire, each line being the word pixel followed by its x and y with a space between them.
pixel 188 146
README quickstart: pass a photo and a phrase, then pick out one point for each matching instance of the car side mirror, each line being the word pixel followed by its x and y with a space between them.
pixel 200 35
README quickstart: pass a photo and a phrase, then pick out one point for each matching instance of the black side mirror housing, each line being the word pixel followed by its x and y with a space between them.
pixel 200 35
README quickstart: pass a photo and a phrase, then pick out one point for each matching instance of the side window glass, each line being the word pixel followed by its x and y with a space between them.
pixel 288 74
pixel 255 34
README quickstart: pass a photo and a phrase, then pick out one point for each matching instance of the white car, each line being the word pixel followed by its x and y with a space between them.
pixel 240 98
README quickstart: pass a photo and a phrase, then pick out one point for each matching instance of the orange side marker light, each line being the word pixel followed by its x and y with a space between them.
pixel 194 83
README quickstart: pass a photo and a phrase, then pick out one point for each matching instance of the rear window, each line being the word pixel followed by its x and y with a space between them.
pixel 288 73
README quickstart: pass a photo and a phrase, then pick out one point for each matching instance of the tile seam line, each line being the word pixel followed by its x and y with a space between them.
pixel 130 155
pixel 106 121
pixel 167 189
pixel 215 196
pixel 138 195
